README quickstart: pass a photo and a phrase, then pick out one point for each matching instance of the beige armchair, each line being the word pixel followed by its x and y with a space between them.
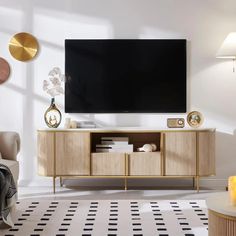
pixel 9 148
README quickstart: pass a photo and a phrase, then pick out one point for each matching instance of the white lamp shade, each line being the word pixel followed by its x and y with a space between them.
pixel 228 48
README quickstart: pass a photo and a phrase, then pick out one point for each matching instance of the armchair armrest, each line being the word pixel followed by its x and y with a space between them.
pixel 9 145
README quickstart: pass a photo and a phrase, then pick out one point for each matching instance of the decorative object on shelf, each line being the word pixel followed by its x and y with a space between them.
pixel 4 70
pixel 148 148
pixel 52 115
pixel 195 119
pixel 67 123
pixel 23 46
pixel 73 124
pixel 228 48
pixel 53 87
pixel 232 190
pixel 154 147
pixel 86 124
pixel 115 144
pixel 175 122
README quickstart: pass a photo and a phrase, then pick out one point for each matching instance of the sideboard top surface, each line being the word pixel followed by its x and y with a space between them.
pixel 126 129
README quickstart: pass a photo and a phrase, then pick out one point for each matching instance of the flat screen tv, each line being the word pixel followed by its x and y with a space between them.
pixel 125 76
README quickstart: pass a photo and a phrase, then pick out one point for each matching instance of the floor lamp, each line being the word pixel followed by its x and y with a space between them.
pixel 228 48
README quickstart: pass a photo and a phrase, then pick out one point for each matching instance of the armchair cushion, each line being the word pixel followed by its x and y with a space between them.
pixel 9 145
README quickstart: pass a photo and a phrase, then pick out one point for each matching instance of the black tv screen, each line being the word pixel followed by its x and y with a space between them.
pixel 125 75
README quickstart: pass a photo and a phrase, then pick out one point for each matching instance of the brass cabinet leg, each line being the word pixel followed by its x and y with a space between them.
pixel 61 182
pixel 197 183
pixel 125 183
pixel 54 184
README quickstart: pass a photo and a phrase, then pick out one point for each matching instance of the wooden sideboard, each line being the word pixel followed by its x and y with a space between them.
pixel 181 153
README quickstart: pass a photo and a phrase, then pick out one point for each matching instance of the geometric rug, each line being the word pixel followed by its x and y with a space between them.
pixel 109 218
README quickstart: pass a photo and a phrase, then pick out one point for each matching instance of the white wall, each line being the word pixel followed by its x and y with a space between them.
pixel 211 83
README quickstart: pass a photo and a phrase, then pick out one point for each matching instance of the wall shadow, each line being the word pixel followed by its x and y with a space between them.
pixel 225 155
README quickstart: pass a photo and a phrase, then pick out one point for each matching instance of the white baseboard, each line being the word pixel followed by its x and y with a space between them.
pixel 44 182
pixel 212 183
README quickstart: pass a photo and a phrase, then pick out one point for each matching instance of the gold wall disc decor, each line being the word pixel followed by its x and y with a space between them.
pixel 195 119
pixel 4 70
pixel 23 46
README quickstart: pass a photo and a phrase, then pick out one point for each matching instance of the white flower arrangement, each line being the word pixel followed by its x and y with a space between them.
pixel 53 86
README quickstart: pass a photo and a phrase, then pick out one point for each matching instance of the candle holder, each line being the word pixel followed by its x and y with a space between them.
pixel 232 190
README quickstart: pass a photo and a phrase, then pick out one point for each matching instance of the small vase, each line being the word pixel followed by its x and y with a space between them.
pixel 52 116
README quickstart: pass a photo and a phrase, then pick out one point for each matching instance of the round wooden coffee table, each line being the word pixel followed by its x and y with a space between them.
pixel 221 216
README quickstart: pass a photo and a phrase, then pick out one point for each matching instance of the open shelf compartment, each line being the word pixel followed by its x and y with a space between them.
pixel 138 139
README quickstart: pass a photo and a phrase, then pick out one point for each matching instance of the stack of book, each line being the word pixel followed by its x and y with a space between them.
pixel 114 144
pixel 86 124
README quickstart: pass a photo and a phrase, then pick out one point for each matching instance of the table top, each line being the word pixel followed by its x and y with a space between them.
pixel 130 129
pixel 220 203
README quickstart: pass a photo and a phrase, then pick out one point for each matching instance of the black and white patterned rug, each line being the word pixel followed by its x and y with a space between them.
pixel 109 218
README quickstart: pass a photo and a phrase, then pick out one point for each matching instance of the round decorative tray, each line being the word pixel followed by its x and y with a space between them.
pixel 195 119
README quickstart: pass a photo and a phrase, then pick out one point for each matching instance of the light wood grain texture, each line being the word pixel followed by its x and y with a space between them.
pixel 45 153
pixel 221 225
pixel 128 130
pixel 206 153
pixel 145 163
pixel 180 153
pixel 179 149
pixel 72 153
pixel 108 164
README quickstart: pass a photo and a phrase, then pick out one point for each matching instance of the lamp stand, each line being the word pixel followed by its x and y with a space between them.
pixel 233 65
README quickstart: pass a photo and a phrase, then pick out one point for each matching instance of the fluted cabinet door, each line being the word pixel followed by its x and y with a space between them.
pixel 45 153
pixel 206 153
pixel 108 164
pixel 180 153
pixel 72 153
pixel 145 163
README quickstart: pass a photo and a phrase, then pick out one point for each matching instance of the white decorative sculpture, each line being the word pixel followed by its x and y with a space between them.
pixel 148 147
